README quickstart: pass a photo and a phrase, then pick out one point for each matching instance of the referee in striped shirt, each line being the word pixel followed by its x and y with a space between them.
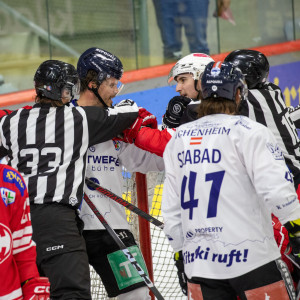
pixel 266 105
pixel 47 145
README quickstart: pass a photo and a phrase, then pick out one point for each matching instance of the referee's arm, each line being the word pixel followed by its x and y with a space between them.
pixel 105 124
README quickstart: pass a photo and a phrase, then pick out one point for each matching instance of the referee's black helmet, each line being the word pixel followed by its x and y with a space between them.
pixel 53 76
pixel 253 64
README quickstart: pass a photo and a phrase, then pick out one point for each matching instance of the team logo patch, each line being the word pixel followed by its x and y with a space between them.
pixel 92 149
pixel 117 144
pixel 275 150
pixel 13 177
pixel 8 196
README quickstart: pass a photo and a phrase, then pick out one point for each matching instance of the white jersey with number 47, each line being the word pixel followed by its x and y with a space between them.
pixel 225 175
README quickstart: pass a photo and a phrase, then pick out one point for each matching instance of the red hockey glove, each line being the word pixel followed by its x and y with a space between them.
pixel 37 288
pixel 144 119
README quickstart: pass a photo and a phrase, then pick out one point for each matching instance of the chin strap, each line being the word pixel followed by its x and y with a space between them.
pixel 199 91
pixel 95 91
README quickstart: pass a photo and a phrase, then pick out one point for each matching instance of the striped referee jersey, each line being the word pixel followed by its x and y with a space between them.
pixel 48 146
pixel 267 106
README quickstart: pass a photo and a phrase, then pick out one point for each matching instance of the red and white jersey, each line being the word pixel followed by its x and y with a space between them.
pixel 17 250
pixel 105 164
pixel 225 175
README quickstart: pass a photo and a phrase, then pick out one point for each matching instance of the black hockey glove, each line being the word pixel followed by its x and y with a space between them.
pixel 293 228
pixel 180 271
pixel 174 112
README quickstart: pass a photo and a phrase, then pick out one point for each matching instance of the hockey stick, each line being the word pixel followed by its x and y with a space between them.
pixel 124 249
pixel 125 203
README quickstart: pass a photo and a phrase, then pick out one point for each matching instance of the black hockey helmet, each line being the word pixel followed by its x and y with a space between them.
pixel 253 64
pixel 103 62
pixel 222 80
pixel 54 76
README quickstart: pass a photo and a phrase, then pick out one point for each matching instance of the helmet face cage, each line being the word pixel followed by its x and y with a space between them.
pixel 222 80
pixel 102 62
pixel 54 77
pixel 253 64
pixel 194 64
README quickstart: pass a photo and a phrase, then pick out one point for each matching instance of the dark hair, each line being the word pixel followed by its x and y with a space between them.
pixel 91 76
pixel 212 106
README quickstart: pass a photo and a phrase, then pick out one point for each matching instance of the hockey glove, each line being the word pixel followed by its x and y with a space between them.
pixel 144 119
pixel 174 112
pixel 180 271
pixel 37 288
pixel 293 228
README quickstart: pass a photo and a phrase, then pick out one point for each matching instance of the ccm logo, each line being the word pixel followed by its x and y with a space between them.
pixel 54 248
pixel 42 289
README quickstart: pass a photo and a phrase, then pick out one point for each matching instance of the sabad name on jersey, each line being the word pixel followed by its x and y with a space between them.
pixel 202 131
pixel 197 156
pixel 13 177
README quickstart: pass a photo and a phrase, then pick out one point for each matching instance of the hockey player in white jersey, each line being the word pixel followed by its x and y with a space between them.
pixel 100 72
pixel 225 174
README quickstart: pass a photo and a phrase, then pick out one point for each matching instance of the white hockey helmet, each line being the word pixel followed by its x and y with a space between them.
pixel 193 63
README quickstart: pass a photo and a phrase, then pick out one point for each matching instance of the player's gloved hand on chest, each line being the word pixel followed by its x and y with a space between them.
pixel 37 288
pixel 144 119
pixel 180 271
pixel 174 112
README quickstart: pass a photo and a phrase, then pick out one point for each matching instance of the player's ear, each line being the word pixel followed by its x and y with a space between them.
pixel 92 85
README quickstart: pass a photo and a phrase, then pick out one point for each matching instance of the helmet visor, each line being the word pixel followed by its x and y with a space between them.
pixel 120 86
pixel 172 74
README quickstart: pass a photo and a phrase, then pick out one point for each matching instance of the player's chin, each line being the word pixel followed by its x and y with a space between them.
pixel 110 103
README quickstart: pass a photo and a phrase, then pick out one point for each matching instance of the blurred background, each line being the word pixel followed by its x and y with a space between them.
pixel 32 31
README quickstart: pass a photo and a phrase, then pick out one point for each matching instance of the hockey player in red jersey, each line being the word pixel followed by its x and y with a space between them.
pixel 17 249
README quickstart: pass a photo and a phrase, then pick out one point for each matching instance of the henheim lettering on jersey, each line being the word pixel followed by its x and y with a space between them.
pixel 201 131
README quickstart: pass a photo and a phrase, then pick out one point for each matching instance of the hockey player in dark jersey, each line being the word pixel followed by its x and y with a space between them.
pixel 48 146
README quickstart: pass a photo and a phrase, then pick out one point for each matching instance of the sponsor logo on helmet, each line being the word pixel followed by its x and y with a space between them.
pixel 214 81
pixel 215 71
pixel 48 87
pixel 214 88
